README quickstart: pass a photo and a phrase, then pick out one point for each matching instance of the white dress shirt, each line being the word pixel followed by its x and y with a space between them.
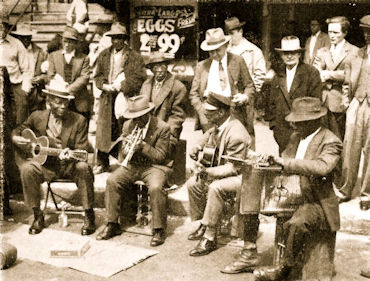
pixel 313 42
pixel 335 49
pixel 68 56
pixel 213 83
pixel 290 73
pixel 303 144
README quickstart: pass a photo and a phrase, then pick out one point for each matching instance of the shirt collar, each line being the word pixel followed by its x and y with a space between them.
pixel 311 136
pixel 339 45
pixel 293 70
pixel 222 127
pixel 71 53
pixel 29 48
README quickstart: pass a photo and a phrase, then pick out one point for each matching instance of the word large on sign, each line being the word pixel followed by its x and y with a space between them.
pixel 162 28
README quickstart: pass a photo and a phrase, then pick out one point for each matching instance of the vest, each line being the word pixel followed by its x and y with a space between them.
pixel 363 81
pixel 68 71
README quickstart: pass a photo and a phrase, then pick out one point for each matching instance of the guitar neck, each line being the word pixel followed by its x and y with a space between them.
pixel 51 151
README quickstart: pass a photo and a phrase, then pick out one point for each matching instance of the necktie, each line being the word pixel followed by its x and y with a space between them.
pixel 222 75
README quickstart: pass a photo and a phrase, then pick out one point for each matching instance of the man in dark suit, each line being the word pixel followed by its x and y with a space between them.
pixel 118 69
pixel 150 155
pixel 295 79
pixel 316 41
pixel 225 74
pixel 331 62
pixel 312 155
pixel 211 186
pixel 66 130
pixel 167 93
pixel 36 56
pixel 74 68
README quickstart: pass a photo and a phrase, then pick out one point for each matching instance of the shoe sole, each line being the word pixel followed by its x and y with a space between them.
pixel 249 270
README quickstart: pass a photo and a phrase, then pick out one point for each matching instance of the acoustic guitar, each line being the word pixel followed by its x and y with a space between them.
pixel 40 150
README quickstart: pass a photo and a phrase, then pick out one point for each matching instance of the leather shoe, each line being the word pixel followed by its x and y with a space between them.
pixel 198 234
pixel 37 226
pixel 158 237
pixel 111 230
pixel 247 262
pixel 273 273
pixel 89 223
pixel 204 247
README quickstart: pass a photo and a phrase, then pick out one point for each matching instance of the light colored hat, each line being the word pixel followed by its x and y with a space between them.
pixel 81 28
pixel 58 87
pixel 290 44
pixel 117 29
pixel 233 23
pixel 157 57
pixel 215 38
pixel 137 106
pixel 305 109
pixel 23 29
pixel 365 21
pixel 70 33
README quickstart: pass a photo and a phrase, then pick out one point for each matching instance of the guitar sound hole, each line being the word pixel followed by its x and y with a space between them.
pixel 37 149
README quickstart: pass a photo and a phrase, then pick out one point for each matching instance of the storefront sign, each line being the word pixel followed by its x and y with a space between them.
pixel 163 28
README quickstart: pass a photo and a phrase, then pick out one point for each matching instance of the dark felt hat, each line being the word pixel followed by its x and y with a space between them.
pixel 305 109
pixel 158 57
pixel 233 23
pixel 70 33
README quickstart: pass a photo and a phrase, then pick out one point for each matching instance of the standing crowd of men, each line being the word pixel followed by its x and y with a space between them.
pixel 317 108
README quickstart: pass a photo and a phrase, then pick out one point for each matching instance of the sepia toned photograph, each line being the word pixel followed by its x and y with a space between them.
pixel 195 140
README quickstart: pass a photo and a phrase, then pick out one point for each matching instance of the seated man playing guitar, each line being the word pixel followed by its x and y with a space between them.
pixel 230 138
pixel 65 131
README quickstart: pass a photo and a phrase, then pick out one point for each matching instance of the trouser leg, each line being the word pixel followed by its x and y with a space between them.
pixel 103 158
pixel 197 198
pixel 308 217
pixel 218 191
pixel 19 103
pixel 84 179
pixel 365 183
pixel 32 175
pixel 117 184
pixel 155 179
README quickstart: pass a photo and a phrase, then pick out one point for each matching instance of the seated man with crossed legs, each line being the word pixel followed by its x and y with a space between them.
pixel 232 139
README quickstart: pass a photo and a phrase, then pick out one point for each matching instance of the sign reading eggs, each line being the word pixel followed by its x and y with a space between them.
pixel 163 28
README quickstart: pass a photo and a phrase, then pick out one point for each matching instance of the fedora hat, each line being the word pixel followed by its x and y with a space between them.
pixel 157 57
pixel 137 106
pixel 305 109
pixel 290 44
pixel 70 33
pixel 365 21
pixel 215 101
pixel 58 87
pixel 23 29
pixel 233 23
pixel 117 29
pixel 215 38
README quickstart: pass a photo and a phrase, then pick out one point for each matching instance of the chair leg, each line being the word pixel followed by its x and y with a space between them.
pixel 52 197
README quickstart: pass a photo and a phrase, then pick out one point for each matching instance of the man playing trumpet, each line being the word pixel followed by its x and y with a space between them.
pixel 143 158
pixel 231 138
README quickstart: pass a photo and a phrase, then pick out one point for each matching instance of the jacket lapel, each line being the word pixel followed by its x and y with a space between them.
pixel 77 61
pixel 164 91
pixel 60 62
pixel 291 149
pixel 343 53
pixel 328 60
pixel 151 129
pixel 204 75
pixel 282 86
pixel 313 145
pixel 66 129
pixel 297 80
pixel 44 122
pixel 223 142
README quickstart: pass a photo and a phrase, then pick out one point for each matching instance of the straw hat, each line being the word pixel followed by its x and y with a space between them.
pixel 290 44
pixel 23 29
pixel 58 87
pixel 305 109
pixel 137 106
pixel 215 38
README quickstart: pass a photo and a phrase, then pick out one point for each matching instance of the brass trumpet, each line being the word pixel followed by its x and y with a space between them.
pixel 130 142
